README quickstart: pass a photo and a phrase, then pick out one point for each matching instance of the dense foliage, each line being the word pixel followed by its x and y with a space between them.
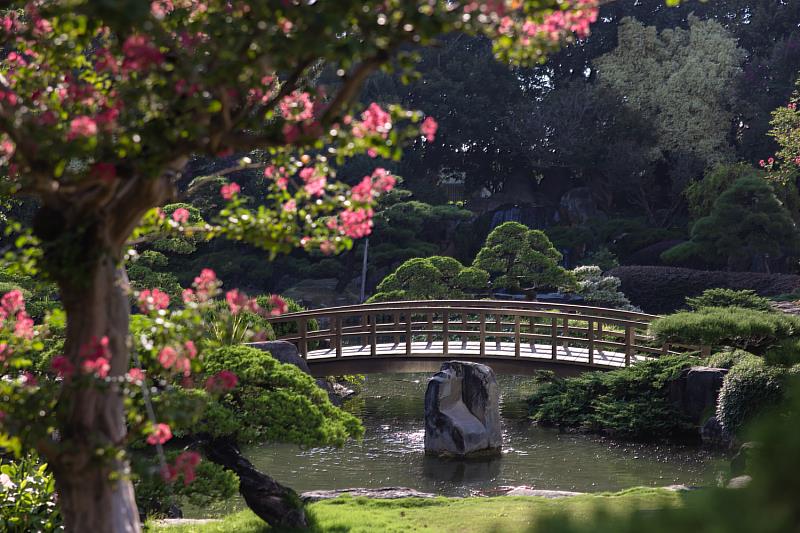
pixel 431 278
pixel 630 402
pixel 729 298
pixel 750 389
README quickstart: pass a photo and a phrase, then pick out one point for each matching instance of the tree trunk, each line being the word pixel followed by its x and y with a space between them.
pixel 277 505
pixel 94 492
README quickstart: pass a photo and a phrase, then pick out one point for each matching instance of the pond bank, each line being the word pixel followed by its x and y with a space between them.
pixel 507 514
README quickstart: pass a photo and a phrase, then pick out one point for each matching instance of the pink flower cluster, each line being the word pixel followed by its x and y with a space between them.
pixel 354 223
pixel 82 126
pixel 161 434
pixel 153 300
pixel 140 54
pixel 576 18
pixel 278 174
pixel 314 181
pixel 297 106
pixel 185 464
pixel 374 120
pixel 277 305
pixel 222 381
pixel 228 190
pixel 428 128
pixel 768 163
pixel 205 286
pixel 180 359
pixel 181 215
pixel 96 357
pixel 381 181
pixel 237 301
pixel 12 306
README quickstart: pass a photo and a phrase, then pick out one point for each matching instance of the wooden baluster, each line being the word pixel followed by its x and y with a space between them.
pixel 566 332
pixel 409 318
pixel 396 326
pixel 628 344
pixel 338 322
pixel 365 329
pixel 373 348
pixel 498 327
pixel 554 337
pixel 430 327
pixel 590 332
pixel 445 332
pixel 303 326
pixel 516 335
pixel 464 337
pixel 483 335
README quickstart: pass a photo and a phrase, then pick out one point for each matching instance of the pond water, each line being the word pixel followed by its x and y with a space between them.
pixel 391 453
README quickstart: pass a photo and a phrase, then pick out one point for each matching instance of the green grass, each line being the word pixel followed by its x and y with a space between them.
pixel 463 515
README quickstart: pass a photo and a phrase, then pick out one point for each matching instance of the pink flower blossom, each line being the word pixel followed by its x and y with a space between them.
pixel 191 349
pixel 187 295
pixel 792 106
pixel 278 305
pixel 161 434
pixel 100 367
pixel 185 464
pixel 229 190
pixel 297 106
pixel 770 161
pixel 236 300
pixel 315 182
pixel 13 301
pixel 181 215
pixel 29 380
pixel 224 380
pixel 62 366
pixel 136 375
pixel 140 53
pixel 7 148
pixel 205 285
pixel 290 206
pixel 153 300
pixel 95 357
pixel 797 161
pixel 82 126
pixel 428 128
pixel 762 163
pixel 383 181
pixel 167 357
pixel 161 8
pixel 373 120
pixel 363 191
pixel 356 223
pixel 105 61
pixel 327 247
pixel 23 327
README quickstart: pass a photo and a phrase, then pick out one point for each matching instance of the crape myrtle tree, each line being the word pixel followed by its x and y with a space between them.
pixel 101 106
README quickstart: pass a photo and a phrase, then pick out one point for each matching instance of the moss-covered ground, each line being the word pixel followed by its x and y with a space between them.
pixel 463 515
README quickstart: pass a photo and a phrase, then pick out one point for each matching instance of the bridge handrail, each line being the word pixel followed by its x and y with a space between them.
pixel 505 304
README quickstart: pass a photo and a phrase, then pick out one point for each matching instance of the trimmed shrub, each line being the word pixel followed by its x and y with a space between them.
pixel 431 278
pixel 729 358
pixel 785 353
pixel 750 388
pixel 664 289
pixel 597 289
pixel 729 298
pixel 748 329
pixel 629 402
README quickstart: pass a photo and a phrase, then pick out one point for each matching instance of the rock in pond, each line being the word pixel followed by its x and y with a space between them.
pixel 383 493
pixel 695 391
pixel 462 411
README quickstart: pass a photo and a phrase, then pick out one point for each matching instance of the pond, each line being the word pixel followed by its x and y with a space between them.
pixel 391 454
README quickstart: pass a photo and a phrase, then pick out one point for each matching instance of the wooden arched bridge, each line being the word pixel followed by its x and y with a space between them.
pixel 513 337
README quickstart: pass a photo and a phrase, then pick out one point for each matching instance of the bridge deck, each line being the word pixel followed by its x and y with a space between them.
pixel 603 359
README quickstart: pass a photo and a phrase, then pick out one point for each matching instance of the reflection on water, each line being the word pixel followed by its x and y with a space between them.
pixel 391 453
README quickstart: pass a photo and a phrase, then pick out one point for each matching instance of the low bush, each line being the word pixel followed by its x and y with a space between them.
pixel 665 289
pixel 728 358
pixel 750 388
pixel 629 402
pixel 597 289
pixel 27 497
pixel 729 298
pixel 736 327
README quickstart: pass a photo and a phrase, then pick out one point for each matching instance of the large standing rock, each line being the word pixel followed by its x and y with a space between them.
pixel 462 411
pixel 695 391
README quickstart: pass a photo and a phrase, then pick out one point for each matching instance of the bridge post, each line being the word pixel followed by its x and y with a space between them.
pixel 430 327
pixel 482 335
pixel 373 326
pixel 590 328
pixel 396 326
pixel 554 337
pixel 629 337
pixel 303 344
pixel 566 332
pixel 409 317
pixel 464 337
pixel 338 322
pixel 445 332
pixel 365 329
pixel 516 335
pixel 498 327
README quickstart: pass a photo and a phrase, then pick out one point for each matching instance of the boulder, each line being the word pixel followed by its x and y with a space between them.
pixel 577 206
pixel 739 482
pixel 383 493
pixel 462 411
pixel 714 435
pixel 695 391
pixel 739 462
pixel 549 494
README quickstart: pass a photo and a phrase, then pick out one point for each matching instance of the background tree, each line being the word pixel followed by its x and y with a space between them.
pixel 431 278
pixel 519 258
pixel 102 107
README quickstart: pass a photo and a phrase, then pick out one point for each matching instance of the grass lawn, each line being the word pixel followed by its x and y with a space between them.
pixel 463 515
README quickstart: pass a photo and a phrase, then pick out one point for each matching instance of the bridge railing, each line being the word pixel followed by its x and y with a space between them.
pixel 496 326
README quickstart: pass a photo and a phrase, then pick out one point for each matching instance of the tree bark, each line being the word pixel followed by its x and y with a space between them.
pixel 277 505
pixel 94 491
